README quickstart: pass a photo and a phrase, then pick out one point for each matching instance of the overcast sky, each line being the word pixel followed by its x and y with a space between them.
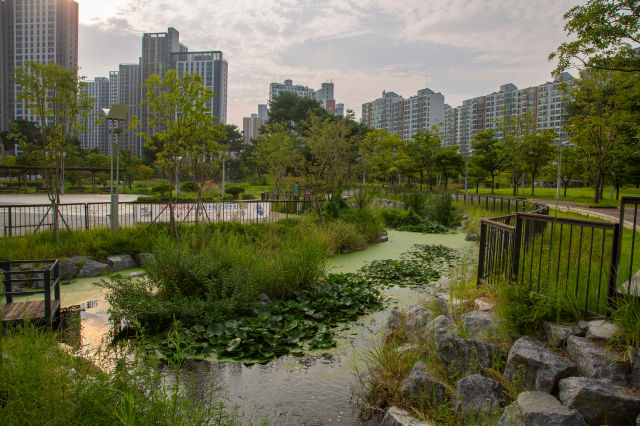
pixel 462 48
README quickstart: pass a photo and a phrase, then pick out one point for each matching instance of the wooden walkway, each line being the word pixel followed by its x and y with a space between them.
pixel 17 311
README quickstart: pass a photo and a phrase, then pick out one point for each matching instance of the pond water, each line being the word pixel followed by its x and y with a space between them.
pixel 315 389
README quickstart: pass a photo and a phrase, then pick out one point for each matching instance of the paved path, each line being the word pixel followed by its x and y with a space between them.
pixel 31 199
pixel 611 214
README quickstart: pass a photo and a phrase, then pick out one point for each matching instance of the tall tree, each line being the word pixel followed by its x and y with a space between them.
pixel 449 162
pixel 571 166
pixel 605 34
pixel 277 151
pixel 327 141
pixel 538 150
pixel 53 94
pixel 486 155
pixel 514 129
pixel 294 111
pixel 180 121
pixel 422 149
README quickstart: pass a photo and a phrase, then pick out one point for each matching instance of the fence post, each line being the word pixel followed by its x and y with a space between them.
pixel 515 252
pixel 481 256
pixel 10 223
pixel 6 279
pixel 47 294
pixel 86 216
pixel 615 263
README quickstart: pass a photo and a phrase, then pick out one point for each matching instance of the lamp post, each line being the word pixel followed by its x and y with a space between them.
pixel 115 115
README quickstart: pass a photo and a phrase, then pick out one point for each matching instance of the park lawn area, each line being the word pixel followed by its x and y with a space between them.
pixel 578 195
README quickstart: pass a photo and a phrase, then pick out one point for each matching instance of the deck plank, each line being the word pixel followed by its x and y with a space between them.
pixel 17 311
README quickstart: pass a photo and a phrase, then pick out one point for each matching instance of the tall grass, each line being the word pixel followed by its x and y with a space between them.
pixel 40 383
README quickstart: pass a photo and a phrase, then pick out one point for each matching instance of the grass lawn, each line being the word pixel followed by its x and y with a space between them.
pixel 577 195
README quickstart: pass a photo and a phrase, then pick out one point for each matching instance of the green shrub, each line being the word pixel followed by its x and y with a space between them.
pixel 395 218
pixel 235 191
pixel 440 209
pixel 162 188
pixel 189 186
pixel 416 201
pixel 249 196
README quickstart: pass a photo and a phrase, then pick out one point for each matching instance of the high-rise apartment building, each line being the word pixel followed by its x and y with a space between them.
pixel 97 132
pixel 406 117
pixel 213 69
pixel 129 93
pixel 251 127
pixel 276 88
pixel 34 31
pixel 263 112
pixel 546 103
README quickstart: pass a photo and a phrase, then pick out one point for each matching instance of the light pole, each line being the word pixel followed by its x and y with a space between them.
pixel 177 160
pixel 115 115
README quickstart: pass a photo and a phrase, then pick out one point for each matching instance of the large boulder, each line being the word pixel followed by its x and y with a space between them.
pixel 557 334
pixel 68 269
pixel 511 416
pixel 144 258
pixel 78 260
pixel 421 384
pixel 480 324
pixel 483 304
pixel 463 355
pixel 536 367
pixel 440 322
pixel 634 377
pixel 91 268
pixel 447 305
pixel 412 320
pixel 477 397
pixel 542 409
pixel 593 360
pixel 396 416
pixel 121 262
pixel 602 330
pixel 600 401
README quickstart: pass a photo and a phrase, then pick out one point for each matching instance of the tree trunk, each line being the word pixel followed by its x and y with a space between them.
pixel 533 183
pixel 477 187
pixel 566 184
pixel 493 183
pixel 173 229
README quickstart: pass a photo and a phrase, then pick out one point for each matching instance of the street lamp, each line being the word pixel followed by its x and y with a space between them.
pixel 115 115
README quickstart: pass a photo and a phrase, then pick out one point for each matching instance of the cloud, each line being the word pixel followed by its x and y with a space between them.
pixel 463 48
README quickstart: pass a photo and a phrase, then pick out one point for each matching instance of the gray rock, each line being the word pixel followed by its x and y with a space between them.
pixel 584 326
pixel 446 304
pixel 91 268
pixel 396 416
pixel 394 320
pixel 557 334
pixel 383 237
pixel 68 269
pixel 421 384
pixel 412 320
pixel 535 367
pixel 542 409
pixel 483 304
pixel 26 266
pixel 480 324
pixel 121 262
pixel 478 397
pixel 634 377
pixel 472 237
pixel 601 330
pixel 137 274
pixel 440 322
pixel 511 416
pixel 463 355
pixel 143 258
pixel 599 401
pixel 593 360
pixel 78 260
pixel 264 299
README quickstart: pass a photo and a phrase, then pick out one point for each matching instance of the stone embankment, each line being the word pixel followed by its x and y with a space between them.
pixel 571 378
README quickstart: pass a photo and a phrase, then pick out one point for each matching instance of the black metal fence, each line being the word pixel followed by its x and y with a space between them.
pixel 494 203
pixel 588 263
pixel 22 219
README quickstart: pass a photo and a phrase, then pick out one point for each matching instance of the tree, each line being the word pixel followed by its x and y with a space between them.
pixel 422 150
pixel 600 117
pixel 294 111
pixel 538 149
pixel 53 94
pixel 368 151
pixel 572 165
pixel 606 33
pixel 277 151
pixel 328 145
pixel 514 130
pixel 449 161
pixel 486 155
pixel 180 121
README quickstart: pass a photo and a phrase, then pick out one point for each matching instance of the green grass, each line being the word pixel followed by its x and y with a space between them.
pixel 582 196
pixel 41 383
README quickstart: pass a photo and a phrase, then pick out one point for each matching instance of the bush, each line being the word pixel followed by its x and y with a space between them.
pixel 189 186
pixel 162 188
pixel 249 196
pixel 235 191
pixel 395 218
pixel 440 210
pixel 416 201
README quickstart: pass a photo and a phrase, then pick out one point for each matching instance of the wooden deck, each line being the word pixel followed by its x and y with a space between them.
pixel 17 311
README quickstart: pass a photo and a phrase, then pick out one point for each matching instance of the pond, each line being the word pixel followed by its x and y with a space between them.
pixel 315 389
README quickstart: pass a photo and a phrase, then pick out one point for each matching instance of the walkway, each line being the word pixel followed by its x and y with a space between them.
pixel 31 199
pixel 610 214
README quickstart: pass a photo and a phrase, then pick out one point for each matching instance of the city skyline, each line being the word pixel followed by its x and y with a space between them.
pixel 461 49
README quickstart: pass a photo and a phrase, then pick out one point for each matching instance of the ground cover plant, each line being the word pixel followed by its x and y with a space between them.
pixel 583 196
pixel 40 382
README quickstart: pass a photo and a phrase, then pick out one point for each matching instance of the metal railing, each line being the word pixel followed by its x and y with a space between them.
pixel 49 276
pixel 22 219
pixel 494 203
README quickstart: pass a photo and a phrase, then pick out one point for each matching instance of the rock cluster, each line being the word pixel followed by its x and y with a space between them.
pixel 571 379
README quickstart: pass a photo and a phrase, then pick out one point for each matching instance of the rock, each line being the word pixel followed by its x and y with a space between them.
pixel 593 360
pixel 121 262
pixel 78 260
pixel 599 401
pixel 68 269
pixel 383 237
pixel 446 304
pixel 440 322
pixel 511 416
pixel 420 383
pixel 91 268
pixel 557 334
pixel 396 416
pixel 634 377
pixel 463 355
pixel 411 321
pixel 601 330
pixel 472 237
pixel 483 304
pixel 542 409
pixel 394 320
pixel 477 397
pixel 143 258
pixel 536 367
pixel 137 274
pixel 264 299
pixel 638 420
pixel 479 324
pixel 26 266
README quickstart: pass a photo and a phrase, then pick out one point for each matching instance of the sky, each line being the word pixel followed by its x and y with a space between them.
pixel 461 48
